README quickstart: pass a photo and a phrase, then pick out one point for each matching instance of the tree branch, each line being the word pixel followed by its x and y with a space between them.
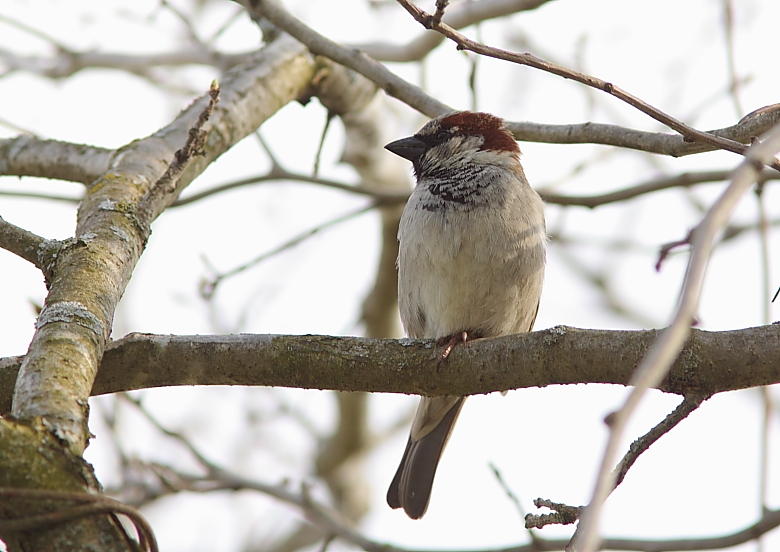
pixel 165 480
pixel 458 16
pixel 21 242
pixel 73 327
pixel 688 133
pixel 670 342
pixel 664 143
pixel 640 445
pixel 31 156
pixel 656 142
pixel 711 362
pixel 682 180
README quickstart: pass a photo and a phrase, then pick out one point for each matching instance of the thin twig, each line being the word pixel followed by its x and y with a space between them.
pixel 563 514
pixel 682 180
pixel 196 140
pixel 734 81
pixel 209 287
pixel 36 33
pixel 459 15
pixel 666 348
pixel 316 167
pixel 514 499
pixel 279 173
pixel 766 397
pixel 688 405
pixel 687 132
pixel 668 247
pixel 331 523
pixel 185 21
pixel 441 5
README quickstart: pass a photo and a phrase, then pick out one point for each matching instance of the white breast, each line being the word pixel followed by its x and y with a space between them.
pixel 471 267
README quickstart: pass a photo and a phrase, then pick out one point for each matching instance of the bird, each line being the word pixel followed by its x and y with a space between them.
pixel 471 262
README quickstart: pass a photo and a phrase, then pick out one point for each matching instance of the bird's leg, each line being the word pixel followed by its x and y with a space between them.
pixel 450 342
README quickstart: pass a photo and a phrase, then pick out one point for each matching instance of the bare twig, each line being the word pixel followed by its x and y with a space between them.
pixel 687 132
pixel 27 155
pixel 766 396
pixel 185 20
pixel 459 15
pixel 682 180
pixel 659 358
pixel 667 248
pixel 219 478
pixel 734 81
pixel 441 6
pixel 563 514
pixel 66 64
pixel 196 139
pixel 657 142
pixel 514 499
pixel 34 32
pixel 316 168
pixel 688 405
pixel 91 504
pixel 510 494
pixel 283 174
pixel 209 287
pixel 354 59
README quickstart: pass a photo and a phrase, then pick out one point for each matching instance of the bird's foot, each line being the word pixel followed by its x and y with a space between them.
pixel 449 342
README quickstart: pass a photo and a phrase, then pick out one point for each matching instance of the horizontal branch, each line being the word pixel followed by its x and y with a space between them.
pixel 27 155
pixel 664 143
pixel 682 180
pixel 711 362
pixel 687 133
pixel 67 63
pixel 750 126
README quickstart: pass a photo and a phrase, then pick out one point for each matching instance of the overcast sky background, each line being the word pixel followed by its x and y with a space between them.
pixel 699 480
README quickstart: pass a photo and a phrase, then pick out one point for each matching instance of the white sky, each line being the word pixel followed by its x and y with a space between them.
pixel 699 480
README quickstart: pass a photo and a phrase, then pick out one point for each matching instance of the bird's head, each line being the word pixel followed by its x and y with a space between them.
pixel 457 140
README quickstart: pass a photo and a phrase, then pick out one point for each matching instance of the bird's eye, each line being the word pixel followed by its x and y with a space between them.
pixel 441 136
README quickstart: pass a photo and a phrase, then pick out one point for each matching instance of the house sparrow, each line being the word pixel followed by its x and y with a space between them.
pixel 470 264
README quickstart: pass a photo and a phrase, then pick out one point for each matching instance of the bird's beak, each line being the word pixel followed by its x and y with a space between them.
pixel 410 148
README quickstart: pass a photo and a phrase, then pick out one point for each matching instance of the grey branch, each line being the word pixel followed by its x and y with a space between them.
pixel 31 156
pixel 748 127
pixel 21 242
pixel 111 233
pixel 711 362
pixel 682 180
pixel 67 63
pixel 665 143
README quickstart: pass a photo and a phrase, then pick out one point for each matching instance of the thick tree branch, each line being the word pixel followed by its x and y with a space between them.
pixel 711 362
pixel 72 329
pixel 31 455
